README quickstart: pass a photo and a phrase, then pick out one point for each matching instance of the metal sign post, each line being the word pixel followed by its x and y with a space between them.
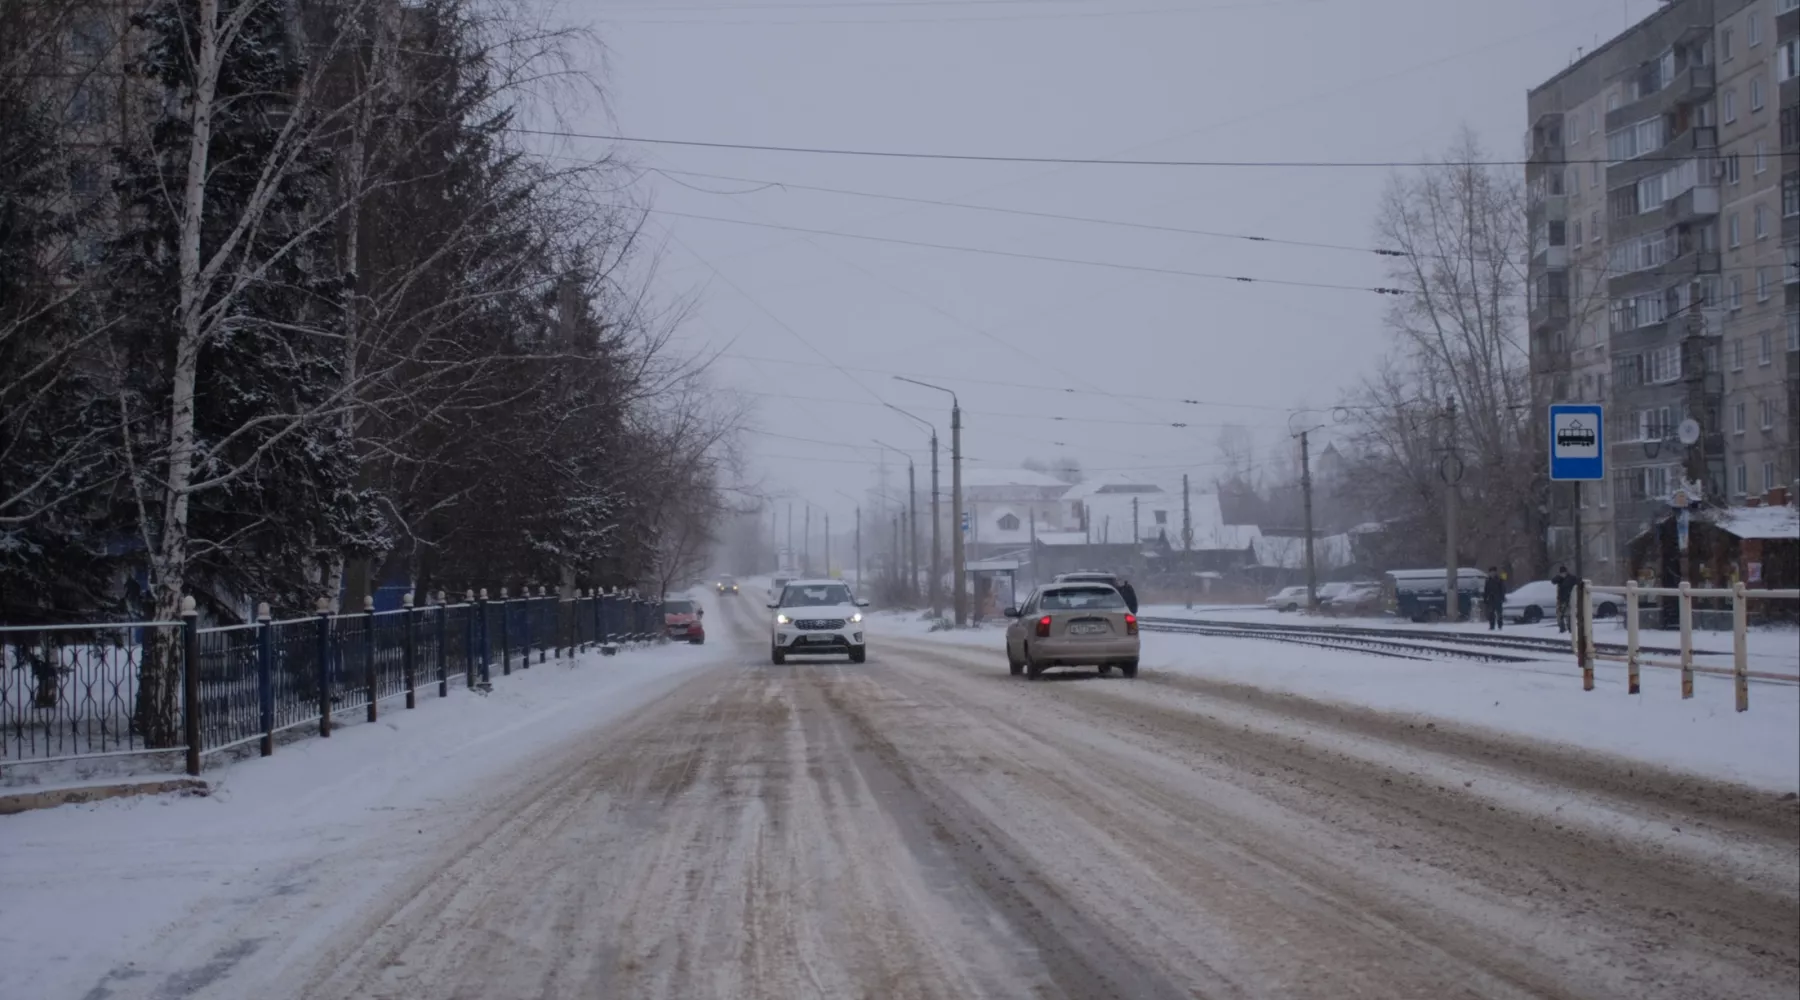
pixel 1578 455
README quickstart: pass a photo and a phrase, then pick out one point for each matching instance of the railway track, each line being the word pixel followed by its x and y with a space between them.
pixel 1537 644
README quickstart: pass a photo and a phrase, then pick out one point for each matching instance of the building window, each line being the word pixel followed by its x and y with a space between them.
pixel 1790 255
pixel 1575 234
pixel 84 108
pixel 1733 232
pixel 1162 517
pixel 1737 355
pixel 88 38
pixel 1008 522
pixel 1593 121
pixel 1734 293
pixel 1753 27
pixel 1762 222
pixel 1765 349
pixel 84 179
pixel 1737 418
pixel 1761 157
pixel 1787 60
pixel 1768 414
pixel 1790 195
pixel 1762 284
pixel 1593 175
pixel 1768 476
pixel 1725 52
pixel 1729 106
pixel 1594 229
pixel 1756 94
pixel 1742 477
pixel 1793 317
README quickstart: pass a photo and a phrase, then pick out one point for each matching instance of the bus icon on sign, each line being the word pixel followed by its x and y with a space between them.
pixel 1574 435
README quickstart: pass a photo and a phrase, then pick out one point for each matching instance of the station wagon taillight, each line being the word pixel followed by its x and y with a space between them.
pixel 1131 624
pixel 1043 627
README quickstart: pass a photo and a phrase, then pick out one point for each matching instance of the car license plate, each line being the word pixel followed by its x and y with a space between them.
pixel 816 639
pixel 1087 630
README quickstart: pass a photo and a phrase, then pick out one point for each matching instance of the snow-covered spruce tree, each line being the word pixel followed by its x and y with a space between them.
pixel 227 313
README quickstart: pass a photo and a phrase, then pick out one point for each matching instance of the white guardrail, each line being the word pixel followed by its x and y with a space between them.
pixel 1740 597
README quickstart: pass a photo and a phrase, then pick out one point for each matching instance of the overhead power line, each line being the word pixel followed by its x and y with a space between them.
pixel 1093 161
pixel 1177 272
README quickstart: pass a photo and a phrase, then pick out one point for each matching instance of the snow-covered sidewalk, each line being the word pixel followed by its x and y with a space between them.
pixel 84 888
pixel 1540 700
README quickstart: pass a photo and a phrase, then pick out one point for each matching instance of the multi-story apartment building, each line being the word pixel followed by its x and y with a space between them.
pixel 1662 270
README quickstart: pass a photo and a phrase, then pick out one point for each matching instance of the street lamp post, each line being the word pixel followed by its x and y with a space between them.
pixel 859 576
pixel 937 551
pixel 957 565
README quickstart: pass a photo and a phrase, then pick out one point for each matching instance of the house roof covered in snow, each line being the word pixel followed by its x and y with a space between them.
pixel 1061 538
pixel 1760 522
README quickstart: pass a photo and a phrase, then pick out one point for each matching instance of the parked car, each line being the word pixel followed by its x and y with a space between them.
pixel 816 617
pixel 1536 601
pixel 727 585
pixel 1072 625
pixel 1355 599
pixel 1288 599
pixel 681 620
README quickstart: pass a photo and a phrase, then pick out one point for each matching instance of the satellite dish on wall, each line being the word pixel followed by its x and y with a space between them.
pixel 1689 431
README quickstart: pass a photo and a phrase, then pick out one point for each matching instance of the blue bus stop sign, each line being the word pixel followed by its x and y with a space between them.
pixel 1577 442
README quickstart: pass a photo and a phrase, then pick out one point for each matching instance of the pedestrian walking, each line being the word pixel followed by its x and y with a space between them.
pixel 1493 594
pixel 1130 594
pixel 1565 593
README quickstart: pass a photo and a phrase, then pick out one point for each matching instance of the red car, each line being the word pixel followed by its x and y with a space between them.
pixel 681 620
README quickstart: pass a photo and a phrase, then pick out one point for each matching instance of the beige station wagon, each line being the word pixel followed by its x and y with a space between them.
pixel 1072 625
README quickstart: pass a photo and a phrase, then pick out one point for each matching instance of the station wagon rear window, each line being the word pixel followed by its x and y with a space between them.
pixel 1082 599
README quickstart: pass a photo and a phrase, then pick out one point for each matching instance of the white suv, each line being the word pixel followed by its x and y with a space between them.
pixel 816 617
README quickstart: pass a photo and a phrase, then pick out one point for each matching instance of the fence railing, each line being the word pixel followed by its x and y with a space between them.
pixel 1740 596
pixel 73 691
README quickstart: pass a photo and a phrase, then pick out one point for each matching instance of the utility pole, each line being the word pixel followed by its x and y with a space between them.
pixel 859 578
pixel 957 553
pixel 790 534
pixel 912 529
pixel 1134 528
pixel 774 538
pixel 806 541
pixel 1034 549
pixel 1452 597
pixel 1312 574
pixel 1187 544
pixel 827 543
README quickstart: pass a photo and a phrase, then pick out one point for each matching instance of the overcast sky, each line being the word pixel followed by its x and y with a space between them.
pixel 816 325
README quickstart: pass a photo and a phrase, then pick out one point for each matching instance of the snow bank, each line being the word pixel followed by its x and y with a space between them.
pixel 84 887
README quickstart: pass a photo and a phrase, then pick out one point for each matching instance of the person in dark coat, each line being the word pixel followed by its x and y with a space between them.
pixel 1565 593
pixel 1126 591
pixel 1493 594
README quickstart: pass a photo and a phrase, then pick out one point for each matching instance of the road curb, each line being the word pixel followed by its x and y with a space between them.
pixel 49 798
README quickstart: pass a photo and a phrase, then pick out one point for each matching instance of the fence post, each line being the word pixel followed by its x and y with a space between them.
pixel 1584 627
pixel 324 612
pixel 482 617
pixel 595 600
pixel 443 646
pixel 410 658
pixel 1632 623
pixel 505 635
pixel 190 682
pixel 470 635
pixel 1685 603
pixel 265 677
pixel 1740 645
pixel 369 680
pixel 545 651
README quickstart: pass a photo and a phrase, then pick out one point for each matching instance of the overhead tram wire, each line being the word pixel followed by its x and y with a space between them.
pixel 1082 161
pixel 945 19
pixel 766 184
pixel 1044 417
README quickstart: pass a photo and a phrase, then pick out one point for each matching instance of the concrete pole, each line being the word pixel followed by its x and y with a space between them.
pixel 937 558
pixel 1452 597
pixel 1312 575
pixel 912 529
pixel 957 555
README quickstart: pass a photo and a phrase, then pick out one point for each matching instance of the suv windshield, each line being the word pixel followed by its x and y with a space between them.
pixel 678 607
pixel 1082 599
pixel 815 595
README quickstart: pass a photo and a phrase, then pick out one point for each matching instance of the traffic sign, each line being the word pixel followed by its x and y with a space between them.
pixel 1577 442
pixel 965 522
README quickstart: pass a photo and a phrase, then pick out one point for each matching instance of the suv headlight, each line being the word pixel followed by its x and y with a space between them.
pixel 783 620
pixel 856 616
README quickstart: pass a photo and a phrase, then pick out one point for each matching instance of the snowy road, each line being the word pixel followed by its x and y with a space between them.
pixel 925 826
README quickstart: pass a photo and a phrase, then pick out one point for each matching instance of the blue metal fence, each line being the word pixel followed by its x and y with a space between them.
pixel 73 691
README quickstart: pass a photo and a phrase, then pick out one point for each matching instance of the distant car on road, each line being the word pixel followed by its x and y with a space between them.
pixel 681 620
pixel 727 585
pixel 1288 599
pixel 1354 599
pixel 1072 625
pixel 816 617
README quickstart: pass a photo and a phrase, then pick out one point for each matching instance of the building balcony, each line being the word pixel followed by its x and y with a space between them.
pixel 1692 205
pixel 1690 86
pixel 1554 258
pixel 1550 208
pixel 1549 310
